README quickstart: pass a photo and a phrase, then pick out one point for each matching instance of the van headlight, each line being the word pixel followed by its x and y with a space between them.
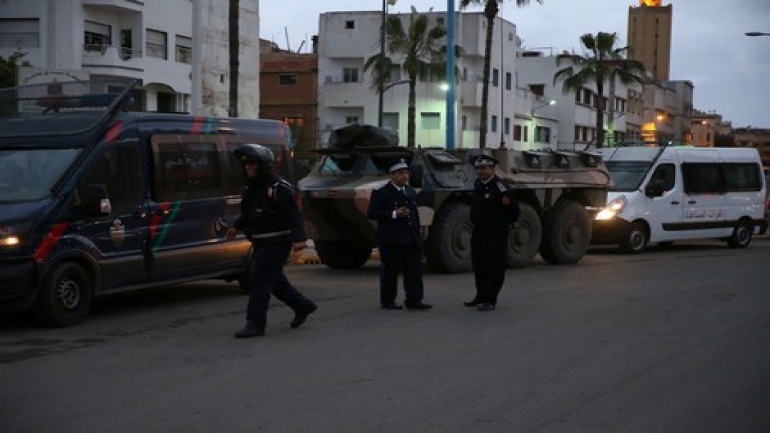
pixel 612 209
pixel 9 238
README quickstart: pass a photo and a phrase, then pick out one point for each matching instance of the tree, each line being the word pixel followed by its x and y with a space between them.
pixel 491 9
pixel 419 51
pixel 9 68
pixel 602 63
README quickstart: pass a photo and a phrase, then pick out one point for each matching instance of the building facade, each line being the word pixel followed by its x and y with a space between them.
pixel 178 61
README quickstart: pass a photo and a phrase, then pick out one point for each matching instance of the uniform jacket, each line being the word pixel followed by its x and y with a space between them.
pixel 395 231
pixel 493 207
pixel 269 212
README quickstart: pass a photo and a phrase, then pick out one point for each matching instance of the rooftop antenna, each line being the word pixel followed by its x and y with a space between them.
pixel 288 45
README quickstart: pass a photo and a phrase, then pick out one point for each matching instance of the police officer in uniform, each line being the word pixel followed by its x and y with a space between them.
pixel 493 210
pixel 394 206
pixel 271 220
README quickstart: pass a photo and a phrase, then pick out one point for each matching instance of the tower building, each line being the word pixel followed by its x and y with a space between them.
pixel 649 36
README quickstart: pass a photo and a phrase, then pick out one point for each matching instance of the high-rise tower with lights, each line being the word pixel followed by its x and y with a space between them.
pixel 649 36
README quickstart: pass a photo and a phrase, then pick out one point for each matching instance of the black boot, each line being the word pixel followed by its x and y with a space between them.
pixel 249 330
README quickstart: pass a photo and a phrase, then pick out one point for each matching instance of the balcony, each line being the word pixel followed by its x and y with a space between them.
pixel 346 95
pixel 114 60
pixel 115 5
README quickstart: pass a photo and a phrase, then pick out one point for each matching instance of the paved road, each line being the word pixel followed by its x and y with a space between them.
pixel 674 340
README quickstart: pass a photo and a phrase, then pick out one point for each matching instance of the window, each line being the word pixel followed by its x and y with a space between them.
pixel 495 77
pixel 183 49
pixel 663 177
pixel 157 44
pixel 350 24
pixel 390 120
pixel 537 89
pixel 742 177
pixel 394 74
pixel 542 134
pixel 97 36
pixel 119 170
pixel 493 126
pixel 349 75
pixel 702 178
pixel 351 119
pixel 508 81
pixel 19 33
pixel 440 21
pixel 430 121
pixel 517 132
pixel 507 126
pixel 186 168
pixel 287 79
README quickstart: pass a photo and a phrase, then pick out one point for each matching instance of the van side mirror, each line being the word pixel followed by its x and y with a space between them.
pixel 416 178
pixel 94 200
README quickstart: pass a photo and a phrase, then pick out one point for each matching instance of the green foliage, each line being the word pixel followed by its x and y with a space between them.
pixel 601 63
pixel 9 68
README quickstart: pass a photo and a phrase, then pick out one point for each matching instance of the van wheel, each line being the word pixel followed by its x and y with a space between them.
pixel 741 237
pixel 524 237
pixel 449 246
pixel 342 255
pixel 65 296
pixel 566 233
pixel 636 239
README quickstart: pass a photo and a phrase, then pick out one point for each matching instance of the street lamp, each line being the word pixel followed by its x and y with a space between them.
pixel 757 34
pixel 381 85
pixel 551 102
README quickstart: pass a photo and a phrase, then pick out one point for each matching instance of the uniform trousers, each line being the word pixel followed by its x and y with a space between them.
pixel 395 259
pixel 489 250
pixel 266 277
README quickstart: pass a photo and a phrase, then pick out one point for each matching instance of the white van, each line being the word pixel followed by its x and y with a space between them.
pixel 669 193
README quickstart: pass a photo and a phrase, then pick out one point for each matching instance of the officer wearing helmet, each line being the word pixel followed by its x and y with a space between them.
pixel 272 221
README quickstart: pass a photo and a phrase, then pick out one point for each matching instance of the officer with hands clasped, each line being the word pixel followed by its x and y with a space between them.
pixel 272 221
pixel 493 210
pixel 394 207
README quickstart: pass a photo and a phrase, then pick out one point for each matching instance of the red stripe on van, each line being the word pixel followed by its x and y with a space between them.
pixel 156 219
pixel 112 133
pixel 42 251
pixel 197 125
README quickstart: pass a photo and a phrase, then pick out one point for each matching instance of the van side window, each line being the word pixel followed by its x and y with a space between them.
pixel 742 177
pixel 702 178
pixel 664 176
pixel 186 168
pixel 119 169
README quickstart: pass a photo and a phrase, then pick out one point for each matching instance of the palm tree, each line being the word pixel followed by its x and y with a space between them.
pixel 491 9
pixel 602 63
pixel 418 50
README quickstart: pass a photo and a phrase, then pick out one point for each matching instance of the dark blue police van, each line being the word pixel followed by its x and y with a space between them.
pixel 96 198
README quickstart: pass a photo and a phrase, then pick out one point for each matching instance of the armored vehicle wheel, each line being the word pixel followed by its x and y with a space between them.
pixel 741 237
pixel 524 238
pixel 449 246
pixel 342 255
pixel 636 239
pixel 65 296
pixel 566 233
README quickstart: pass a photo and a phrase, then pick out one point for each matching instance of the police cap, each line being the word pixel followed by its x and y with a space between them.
pixel 484 160
pixel 399 165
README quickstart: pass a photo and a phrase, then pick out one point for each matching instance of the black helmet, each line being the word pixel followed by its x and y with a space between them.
pixel 256 153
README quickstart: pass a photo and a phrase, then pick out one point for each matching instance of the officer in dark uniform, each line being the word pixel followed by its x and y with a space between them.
pixel 271 220
pixel 493 210
pixel 394 207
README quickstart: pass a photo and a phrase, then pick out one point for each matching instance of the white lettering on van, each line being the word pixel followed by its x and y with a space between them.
pixel 703 213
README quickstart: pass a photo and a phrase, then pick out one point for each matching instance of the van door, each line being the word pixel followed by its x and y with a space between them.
pixel 120 237
pixel 703 214
pixel 665 212
pixel 188 210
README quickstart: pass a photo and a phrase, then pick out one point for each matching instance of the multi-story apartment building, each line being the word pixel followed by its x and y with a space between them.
pixel 346 94
pixel 155 41
pixel 754 137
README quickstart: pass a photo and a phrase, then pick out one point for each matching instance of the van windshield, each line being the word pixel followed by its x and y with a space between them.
pixel 627 176
pixel 28 174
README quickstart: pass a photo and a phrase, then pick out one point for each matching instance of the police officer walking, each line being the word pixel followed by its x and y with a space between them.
pixel 493 210
pixel 272 221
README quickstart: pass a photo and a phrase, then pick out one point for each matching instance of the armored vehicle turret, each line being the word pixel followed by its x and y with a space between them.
pixel 556 190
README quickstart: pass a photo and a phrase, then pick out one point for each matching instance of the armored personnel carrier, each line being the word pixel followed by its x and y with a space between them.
pixel 556 190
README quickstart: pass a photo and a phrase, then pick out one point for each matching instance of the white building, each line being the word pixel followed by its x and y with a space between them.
pixel 154 41
pixel 348 39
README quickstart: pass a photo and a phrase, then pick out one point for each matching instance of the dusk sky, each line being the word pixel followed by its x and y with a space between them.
pixel 730 71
